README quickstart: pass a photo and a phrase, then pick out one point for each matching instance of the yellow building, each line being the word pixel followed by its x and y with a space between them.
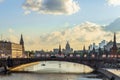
pixel 13 50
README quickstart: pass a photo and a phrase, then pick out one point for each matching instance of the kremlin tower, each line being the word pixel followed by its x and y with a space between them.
pixel 114 48
pixel 22 43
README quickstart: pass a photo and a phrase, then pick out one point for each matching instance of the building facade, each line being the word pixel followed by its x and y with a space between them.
pixel 13 50
pixel 67 49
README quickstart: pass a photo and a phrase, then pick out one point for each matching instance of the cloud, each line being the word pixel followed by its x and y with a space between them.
pixel 114 26
pixel 78 36
pixel 113 2
pixel 11 30
pixel 55 7
pixel 27 12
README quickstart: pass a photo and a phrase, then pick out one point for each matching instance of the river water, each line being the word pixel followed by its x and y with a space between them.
pixel 35 76
pixel 53 70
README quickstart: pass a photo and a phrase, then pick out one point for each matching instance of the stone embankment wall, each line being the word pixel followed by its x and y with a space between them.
pixel 108 74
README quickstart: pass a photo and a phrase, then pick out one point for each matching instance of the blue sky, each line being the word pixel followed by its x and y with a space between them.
pixel 12 16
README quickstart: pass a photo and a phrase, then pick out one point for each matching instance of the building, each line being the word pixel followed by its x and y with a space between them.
pixel 91 46
pixel 67 49
pixel 37 53
pixel 13 50
pixel 55 50
pixel 59 52
pixel 109 45
pixel 102 44
pixel 22 44
pixel 112 45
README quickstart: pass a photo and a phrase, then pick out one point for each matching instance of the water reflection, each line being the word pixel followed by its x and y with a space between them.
pixel 56 67
pixel 34 76
pixel 51 70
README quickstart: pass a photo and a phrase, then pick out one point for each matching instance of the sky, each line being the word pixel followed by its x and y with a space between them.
pixel 46 23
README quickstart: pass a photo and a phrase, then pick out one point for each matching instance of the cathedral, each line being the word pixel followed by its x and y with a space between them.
pixel 67 49
pixel 13 50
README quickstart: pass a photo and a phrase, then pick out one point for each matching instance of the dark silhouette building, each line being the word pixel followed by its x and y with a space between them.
pixel 114 47
pixel 59 52
pixel 68 49
pixel 84 52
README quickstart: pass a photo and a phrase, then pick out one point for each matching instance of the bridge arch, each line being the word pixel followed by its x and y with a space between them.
pixel 54 66
pixel 12 62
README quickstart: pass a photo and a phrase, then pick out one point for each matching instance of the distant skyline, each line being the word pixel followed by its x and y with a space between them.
pixel 46 23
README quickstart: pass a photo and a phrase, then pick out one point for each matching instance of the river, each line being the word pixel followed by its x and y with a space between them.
pixel 53 70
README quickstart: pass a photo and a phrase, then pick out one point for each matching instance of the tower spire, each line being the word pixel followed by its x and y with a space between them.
pixel 21 40
pixel 22 43
pixel 114 43
pixel 84 48
pixel 114 48
pixel 59 49
pixel 67 46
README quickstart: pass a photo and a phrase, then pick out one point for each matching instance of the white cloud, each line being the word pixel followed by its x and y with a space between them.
pixel 78 36
pixel 11 30
pixel 56 7
pixel 27 12
pixel 113 2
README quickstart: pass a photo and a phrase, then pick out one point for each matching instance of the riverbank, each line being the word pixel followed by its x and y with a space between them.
pixel 20 68
pixel 109 73
pixel 4 70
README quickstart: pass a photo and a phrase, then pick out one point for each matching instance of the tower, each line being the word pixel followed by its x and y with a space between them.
pixel 84 49
pixel 22 44
pixel 114 43
pixel 114 48
pixel 67 46
pixel 84 52
pixel 93 51
pixel 68 50
pixel 59 52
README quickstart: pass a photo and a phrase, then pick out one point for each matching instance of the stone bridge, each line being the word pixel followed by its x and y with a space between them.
pixel 91 62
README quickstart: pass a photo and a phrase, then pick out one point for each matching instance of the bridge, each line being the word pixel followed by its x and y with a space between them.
pixel 95 63
pixel 91 62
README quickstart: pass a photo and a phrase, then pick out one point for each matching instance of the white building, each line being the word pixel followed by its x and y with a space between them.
pixel 93 46
pixel 109 45
pixel 55 50
pixel 102 44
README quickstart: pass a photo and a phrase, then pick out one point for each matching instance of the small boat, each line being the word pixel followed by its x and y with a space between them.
pixel 43 65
